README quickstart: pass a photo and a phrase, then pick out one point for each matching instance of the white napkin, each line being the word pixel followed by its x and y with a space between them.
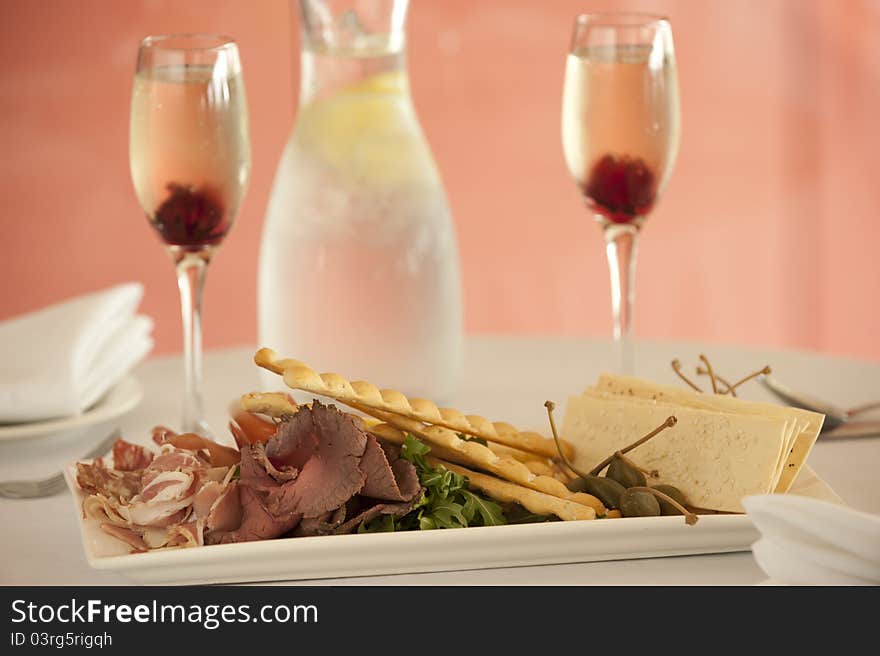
pixel 58 361
pixel 811 542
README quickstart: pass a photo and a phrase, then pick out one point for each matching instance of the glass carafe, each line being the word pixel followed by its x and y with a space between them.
pixel 359 268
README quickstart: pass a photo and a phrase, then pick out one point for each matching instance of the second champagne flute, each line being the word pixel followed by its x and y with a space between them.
pixel 620 132
pixel 190 162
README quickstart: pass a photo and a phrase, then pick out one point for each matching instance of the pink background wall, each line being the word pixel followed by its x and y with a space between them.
pixel 768 232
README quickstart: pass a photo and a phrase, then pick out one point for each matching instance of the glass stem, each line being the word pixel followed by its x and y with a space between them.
pixel 191 268
pixel 621 245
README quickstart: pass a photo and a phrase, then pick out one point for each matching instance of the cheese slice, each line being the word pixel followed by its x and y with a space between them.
pixel 809 424
pixel 714 458
pixel 790 429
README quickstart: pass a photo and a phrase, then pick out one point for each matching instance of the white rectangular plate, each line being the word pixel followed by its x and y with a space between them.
pixel 427 551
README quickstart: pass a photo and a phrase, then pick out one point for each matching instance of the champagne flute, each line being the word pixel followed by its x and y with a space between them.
pixel 620 132
pixel 189 152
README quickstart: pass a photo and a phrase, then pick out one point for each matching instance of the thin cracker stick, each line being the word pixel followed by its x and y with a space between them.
pixel 443 442
pixel 516 454
pixel 540 468
pixel 298 375
pixel 507 492
pixel 446 444
pixel 274 404
pixel 396 436
pixel 537 465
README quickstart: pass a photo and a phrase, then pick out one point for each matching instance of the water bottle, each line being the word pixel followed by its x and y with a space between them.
pixel 358 270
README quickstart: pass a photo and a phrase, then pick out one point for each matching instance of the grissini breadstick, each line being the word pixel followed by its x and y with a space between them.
pixel 444 443
pixel 498 489
pixel 474 454
pixel 535 463
pixel 274 404
pixel 298 375
pixel 516 454
pixel 540 468
pixel 505 491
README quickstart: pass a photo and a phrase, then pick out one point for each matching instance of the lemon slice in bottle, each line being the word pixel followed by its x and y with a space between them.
pixel 367 131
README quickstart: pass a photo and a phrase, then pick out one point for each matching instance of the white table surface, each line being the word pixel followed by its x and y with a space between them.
pixel 505 378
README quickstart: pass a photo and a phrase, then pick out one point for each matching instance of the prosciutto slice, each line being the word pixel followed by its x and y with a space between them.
pixel 131 537
pixel 95 478
pixel 130 457
pixel 217 454
pixel 190 534
pixel 155 505
pixel 319 474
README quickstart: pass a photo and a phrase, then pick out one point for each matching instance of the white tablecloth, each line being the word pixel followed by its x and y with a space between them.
pixel 505 378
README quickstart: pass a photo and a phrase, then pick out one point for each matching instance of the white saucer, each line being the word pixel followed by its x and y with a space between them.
pixel 122 398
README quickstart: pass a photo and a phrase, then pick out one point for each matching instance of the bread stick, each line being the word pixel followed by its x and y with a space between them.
pixel 297 375
pixel 274 404
pixel 446 444
pixel 507 492
pixel 541 493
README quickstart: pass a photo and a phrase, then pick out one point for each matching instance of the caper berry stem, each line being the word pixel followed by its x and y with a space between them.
pixel 731 387
pixel 711 373
pixel 653 473
pixel 765 371
pixel 669 423
pixel 676 367
pixel 715 378
pixel 689 517
pixel 720 379
pixel 712 511
pixel 550 407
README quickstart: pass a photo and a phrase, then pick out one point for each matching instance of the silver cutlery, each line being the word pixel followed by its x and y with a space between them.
pixel 853 429
pixel 46 487
pixel 839 422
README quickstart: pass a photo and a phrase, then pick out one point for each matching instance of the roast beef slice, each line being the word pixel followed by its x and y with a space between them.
pixel 327 446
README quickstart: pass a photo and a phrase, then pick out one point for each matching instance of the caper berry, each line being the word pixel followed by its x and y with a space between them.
pixel 667 508
pixel 638 503
pixel 577 485
pixel 607 490
pixel 624 473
